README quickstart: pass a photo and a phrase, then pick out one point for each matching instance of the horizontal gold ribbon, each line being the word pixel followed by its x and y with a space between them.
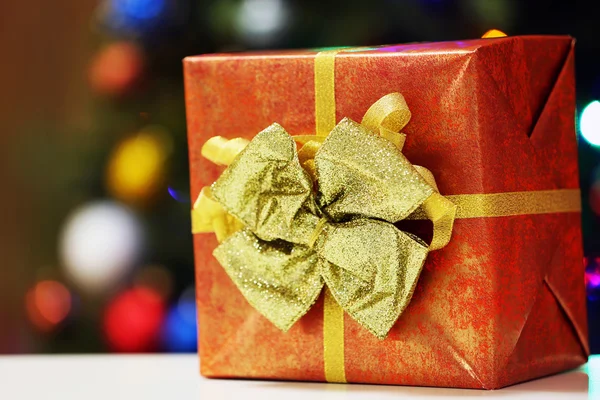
pixel 480 205
pixel 506 204
pixel 517 203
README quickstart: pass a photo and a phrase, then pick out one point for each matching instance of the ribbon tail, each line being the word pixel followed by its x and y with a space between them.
pixel 439 210
pixel 222 151
pixel 209 216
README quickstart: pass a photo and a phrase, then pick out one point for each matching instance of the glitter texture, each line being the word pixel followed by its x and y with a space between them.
pixel 291 246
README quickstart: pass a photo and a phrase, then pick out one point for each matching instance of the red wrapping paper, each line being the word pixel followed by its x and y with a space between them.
pixel 504 302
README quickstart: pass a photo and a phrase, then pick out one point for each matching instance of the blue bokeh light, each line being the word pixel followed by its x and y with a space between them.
pixel 139 9
pixel 138 19
pixel 179 333
pixel 178 195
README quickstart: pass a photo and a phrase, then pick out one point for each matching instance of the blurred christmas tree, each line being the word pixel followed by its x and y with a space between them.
pixel 124 275
pixel 120 275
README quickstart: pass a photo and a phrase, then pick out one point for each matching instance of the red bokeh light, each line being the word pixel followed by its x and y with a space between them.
pixel 48 303
pixel 132 320
pixel 116 69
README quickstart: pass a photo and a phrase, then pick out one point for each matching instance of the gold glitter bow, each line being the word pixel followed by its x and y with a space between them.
pixel 329 223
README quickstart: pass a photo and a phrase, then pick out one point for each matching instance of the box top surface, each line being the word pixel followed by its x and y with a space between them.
pixel 459 46
pixel 469 98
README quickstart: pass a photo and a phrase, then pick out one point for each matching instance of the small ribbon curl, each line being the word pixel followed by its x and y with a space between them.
pixel 291 222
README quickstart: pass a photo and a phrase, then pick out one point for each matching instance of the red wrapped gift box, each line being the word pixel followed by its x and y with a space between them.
pixel 504 301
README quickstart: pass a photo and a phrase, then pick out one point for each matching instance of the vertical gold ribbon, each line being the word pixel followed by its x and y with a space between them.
pixel 333 314
pixel 333 340
pixel 325 92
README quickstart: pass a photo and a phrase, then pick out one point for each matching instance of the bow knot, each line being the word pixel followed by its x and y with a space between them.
pixel 317 232
pixel 325 215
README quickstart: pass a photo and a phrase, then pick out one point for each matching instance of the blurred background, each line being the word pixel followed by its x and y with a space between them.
pixel 95 230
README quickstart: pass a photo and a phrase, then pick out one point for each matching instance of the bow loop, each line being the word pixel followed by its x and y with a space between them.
pixel 371 268
pixel 280 280
pixel 361 174
pixel 387 117
pixel 267 189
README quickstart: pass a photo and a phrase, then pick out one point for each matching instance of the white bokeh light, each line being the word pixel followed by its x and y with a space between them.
pixel 259 22
pixel 589 123
pixel 99 245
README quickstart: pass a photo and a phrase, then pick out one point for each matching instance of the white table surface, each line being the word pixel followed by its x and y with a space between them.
pixel 176 377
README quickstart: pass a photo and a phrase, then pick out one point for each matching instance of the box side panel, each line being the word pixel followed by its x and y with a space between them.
pixel 528 141
pixel 559 348
pixel 526 115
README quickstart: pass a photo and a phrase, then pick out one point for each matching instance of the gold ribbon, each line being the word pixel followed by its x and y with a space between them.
pixel 385 118
pixel 294 241
pixel 325 92
pixel 333 340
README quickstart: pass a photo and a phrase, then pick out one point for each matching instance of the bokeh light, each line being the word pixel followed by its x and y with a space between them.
pixel 132 320
pixel 48 303
pixel 179 195
pixel 493 33
pixel 99 245
pixel 592 277
pixel 179 332
pixel 137 167
pixel 260 22
pixel 589 123
pixel 116 69
pixel 138 19
pixel 139 9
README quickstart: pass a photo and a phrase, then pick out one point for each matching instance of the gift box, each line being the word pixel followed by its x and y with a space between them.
pixel 500 300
